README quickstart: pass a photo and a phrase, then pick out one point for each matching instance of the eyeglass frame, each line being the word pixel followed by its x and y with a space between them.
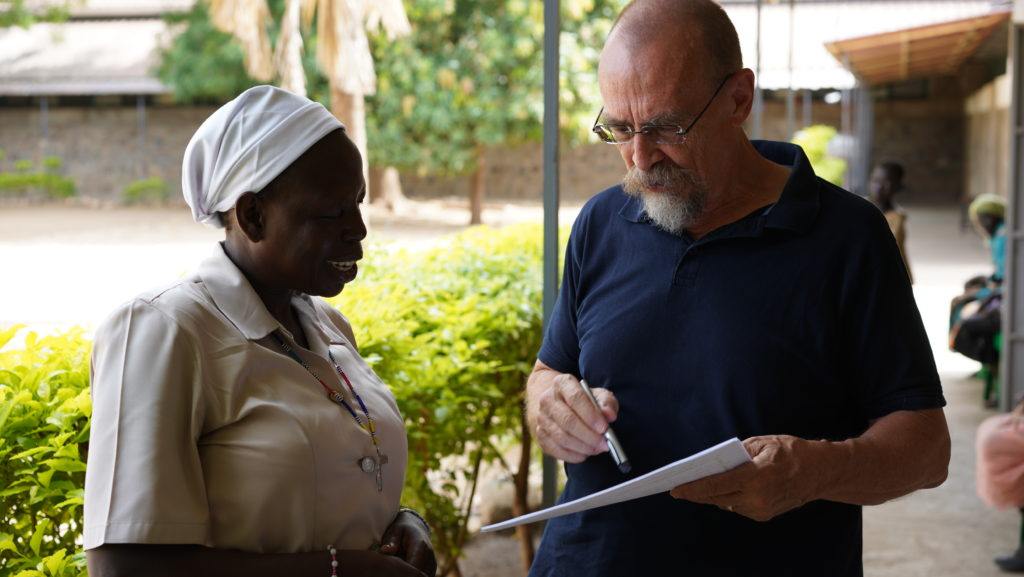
pixel 645 128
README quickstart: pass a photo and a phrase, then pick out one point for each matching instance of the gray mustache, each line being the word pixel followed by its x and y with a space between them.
pixel 637 179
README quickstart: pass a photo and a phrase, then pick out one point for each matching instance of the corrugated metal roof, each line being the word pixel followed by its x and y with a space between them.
pixel 817 23
pixel 81 58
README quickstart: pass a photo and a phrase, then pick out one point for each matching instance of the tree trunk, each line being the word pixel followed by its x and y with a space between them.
pixel 386 185
pixel 476 193
pixel 520 504
pixel 350 109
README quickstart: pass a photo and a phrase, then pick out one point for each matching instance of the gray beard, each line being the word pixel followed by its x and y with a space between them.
pixel 676 209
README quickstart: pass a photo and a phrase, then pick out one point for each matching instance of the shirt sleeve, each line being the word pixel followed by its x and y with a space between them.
pixel 144 480
pixel 886 349
pixel 561 347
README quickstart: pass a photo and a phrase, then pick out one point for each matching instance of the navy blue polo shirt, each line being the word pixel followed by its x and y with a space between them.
pixel 798 319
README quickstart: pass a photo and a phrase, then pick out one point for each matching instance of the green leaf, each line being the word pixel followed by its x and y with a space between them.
pixel 55 563
pixel 8 333
pixel 45 477
pixel 32 451
pixel 66 465
pixel 37 537
pixel 7 543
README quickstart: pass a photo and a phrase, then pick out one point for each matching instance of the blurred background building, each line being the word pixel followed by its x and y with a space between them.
pixel 922 82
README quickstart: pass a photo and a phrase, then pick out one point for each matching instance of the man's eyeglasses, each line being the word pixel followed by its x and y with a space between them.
pixel 660 133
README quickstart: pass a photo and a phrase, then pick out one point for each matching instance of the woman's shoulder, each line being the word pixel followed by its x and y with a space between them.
pixel 175 306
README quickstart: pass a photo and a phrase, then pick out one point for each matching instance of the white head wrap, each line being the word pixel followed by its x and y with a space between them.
pixel 245 144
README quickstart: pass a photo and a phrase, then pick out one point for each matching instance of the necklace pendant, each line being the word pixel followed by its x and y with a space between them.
pixel 382 460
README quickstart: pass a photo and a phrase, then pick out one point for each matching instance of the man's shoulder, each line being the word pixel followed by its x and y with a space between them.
pixel 846 211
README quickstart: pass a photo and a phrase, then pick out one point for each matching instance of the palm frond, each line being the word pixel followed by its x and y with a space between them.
pixel 288 52
pixel 388 15
pixel 247 21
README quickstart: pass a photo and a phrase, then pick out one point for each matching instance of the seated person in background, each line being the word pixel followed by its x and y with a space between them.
pixel 975 314
pixel 236 430
pixel 886 181
pixel 988 215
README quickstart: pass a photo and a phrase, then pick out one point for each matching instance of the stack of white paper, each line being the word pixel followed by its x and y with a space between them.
pixel 717 459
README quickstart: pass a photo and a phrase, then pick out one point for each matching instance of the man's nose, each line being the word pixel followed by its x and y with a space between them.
pixel 646 153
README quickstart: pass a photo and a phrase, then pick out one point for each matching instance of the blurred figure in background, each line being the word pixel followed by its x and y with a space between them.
pixel 1000 472
pixel 975 316
pixel 988 215
pixel 886 182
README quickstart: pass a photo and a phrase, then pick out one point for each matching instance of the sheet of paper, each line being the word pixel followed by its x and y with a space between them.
pixel 718 459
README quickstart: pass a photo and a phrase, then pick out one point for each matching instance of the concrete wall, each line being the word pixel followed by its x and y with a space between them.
pixel 987 139
pixel 926 137
pixel 100 145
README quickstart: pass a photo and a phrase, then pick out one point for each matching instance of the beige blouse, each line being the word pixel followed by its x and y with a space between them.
pixel 205 432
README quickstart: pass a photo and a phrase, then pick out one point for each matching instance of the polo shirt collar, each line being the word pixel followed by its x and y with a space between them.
pixel 633 210
pixel 235 297
pixel 796 208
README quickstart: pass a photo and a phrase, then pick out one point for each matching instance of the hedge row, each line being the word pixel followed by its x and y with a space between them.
pixel 453 330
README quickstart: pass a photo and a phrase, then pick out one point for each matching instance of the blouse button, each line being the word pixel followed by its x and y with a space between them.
pixel 367 464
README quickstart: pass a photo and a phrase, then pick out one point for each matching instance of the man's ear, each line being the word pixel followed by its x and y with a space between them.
pixel 740 93
pixel 250 216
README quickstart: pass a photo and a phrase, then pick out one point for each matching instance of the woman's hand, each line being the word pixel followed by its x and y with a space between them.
pixel 408 539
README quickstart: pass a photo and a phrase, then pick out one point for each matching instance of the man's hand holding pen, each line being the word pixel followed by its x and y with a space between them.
pixel 566 422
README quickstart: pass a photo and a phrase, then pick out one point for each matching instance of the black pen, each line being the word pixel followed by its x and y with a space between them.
pixel 614 447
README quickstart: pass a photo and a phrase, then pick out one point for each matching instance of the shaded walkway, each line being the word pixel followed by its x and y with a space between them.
pixel 944 532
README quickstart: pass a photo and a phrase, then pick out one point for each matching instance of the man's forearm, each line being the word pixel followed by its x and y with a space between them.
pixel 899 454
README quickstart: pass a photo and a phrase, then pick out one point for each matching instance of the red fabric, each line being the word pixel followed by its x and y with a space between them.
pixel 1000 469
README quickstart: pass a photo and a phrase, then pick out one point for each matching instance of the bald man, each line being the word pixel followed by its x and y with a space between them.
pixel 724 290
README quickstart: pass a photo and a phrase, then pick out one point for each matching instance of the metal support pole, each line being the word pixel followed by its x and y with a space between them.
pixel 140 108
pixel 808 113
pixel 44 125
pixel 864 128
pixel 790 114
pixel 552 28
pixel 756 127
pixel 790 93
pixel 1012 363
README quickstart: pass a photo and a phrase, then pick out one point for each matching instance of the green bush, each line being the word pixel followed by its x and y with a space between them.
pixel 52 164
pixel 453 330
pixel 146 190
pixel 814 140
pixel 44 433
pixel 23 180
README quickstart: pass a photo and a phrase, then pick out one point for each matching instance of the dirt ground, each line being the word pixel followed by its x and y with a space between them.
pixel 71 265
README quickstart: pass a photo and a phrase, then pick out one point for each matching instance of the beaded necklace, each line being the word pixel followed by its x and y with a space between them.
pixel 338 398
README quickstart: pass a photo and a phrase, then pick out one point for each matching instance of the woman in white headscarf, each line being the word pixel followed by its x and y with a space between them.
pixel 235 428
